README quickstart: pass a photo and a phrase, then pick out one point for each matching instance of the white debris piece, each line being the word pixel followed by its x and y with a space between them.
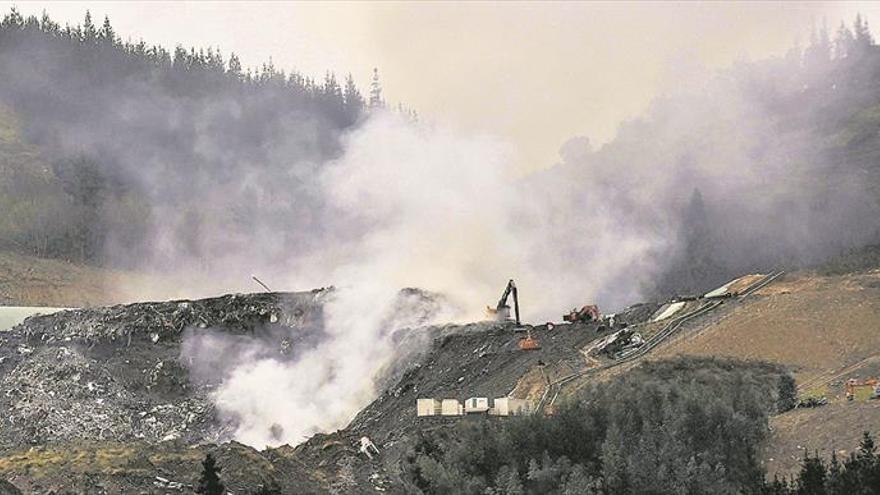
pixel 719 292
pixel 368 447
pixel 668 310
pixel 428 407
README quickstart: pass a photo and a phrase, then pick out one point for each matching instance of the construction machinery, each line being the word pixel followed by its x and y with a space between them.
pixel 867 389
pixel 529 343
pixel 502 309
pixel 586 314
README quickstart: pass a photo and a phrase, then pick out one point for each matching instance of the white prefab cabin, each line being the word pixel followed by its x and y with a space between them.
pixel 505 406
pixel 429 407
pixel 451 407
pixel 476 405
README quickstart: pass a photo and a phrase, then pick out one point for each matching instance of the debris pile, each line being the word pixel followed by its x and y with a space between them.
pixel 165 321
pixel 59 394
pixel 115 373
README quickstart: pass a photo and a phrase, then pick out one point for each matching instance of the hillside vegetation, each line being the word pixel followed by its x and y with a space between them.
pixel 687 424
pixel 125 154
pixel 107 146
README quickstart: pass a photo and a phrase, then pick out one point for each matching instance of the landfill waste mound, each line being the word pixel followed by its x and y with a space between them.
pixel 115 373
pixel 458 362
pixel 100 401
pixel 7 488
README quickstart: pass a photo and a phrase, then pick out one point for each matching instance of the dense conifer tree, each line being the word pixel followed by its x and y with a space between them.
pixel 209 481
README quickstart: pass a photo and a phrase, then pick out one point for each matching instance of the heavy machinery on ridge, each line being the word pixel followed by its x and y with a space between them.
pixel 586 314
pixel 501 312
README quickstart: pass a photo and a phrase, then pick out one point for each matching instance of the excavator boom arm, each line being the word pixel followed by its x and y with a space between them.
pixel 502 303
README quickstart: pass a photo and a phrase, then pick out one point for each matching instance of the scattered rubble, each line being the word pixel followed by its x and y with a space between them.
pixel 7 488
pixel 115 374
pixel 166 321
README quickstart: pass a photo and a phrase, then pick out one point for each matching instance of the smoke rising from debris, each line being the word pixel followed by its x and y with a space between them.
pixel 726 173
pixel 414 206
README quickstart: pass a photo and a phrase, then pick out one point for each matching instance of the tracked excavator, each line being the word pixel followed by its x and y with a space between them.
pixel 586 314
pixel 502 309
pixel 501 312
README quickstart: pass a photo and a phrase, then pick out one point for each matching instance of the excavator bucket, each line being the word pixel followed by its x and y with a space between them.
pixel 529 344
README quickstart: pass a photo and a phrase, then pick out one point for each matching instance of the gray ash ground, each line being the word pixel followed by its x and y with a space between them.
pixel 98 400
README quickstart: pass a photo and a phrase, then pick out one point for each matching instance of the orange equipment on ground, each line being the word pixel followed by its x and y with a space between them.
pixel 586 314
pixel 867 388
pixel 529 343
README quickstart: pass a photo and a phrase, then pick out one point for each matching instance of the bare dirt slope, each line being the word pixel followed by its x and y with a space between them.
pixel 826 329
pixel 835 427
pixel 30 281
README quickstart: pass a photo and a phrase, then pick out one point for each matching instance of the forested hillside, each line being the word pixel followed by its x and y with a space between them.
pixel 687 425
pixel 106 146
pixel 769 163
pixel 680 426
pixel 129 155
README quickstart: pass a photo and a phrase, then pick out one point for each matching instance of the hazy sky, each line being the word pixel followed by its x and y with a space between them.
pixel 533 74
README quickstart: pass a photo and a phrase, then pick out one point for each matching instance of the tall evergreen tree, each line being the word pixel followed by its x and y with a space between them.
pixel 13 19
pixel 89 32
pixel 376 100
pixel 863 40
pixel 354 102
pixel 106 34
pixel 786 397
pixel 843 41
pixel 234 67
pixel 811 480
pixel 209 482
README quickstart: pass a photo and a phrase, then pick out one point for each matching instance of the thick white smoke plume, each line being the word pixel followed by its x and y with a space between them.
pixel 207 177
pixel 415 207
pixel 714 181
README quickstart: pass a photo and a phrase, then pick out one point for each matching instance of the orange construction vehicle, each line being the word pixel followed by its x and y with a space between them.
pixel 586 314
pixel 528 343
pixel 864 389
